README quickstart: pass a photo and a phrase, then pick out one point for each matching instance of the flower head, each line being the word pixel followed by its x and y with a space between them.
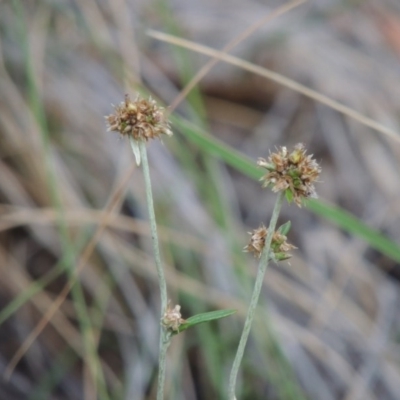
pixel 140 119
pixel 294 173
pixel 279 246
pixel 172 318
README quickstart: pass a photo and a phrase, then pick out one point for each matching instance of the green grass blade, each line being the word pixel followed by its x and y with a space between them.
pixel 336 215
pixel 204 317
pixel 353 225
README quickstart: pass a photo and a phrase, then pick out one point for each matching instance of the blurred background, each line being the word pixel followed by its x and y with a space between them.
pixel 73 202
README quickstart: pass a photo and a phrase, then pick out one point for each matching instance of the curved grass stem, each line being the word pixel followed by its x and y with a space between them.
pixel 254 298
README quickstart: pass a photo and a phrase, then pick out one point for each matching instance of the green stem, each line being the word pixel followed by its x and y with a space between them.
pixel 254 298
pixel 165 340
pixel 164 334
pixel 153 226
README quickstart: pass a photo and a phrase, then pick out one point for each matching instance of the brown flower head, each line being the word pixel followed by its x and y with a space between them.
pixel 140 119
pixel 295 173
pixel 279 246
pixel 172 318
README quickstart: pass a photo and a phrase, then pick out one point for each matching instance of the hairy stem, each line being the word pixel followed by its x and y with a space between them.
pixel 254 298
pixel 165 340
pixel 153 226
pixel 164 334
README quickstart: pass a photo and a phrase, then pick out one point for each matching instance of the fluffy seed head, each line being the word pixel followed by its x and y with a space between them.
pixel 141 119
pixel 279 246
pixel 294 172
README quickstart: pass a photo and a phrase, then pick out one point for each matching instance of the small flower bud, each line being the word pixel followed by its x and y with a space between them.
pixel 172 318
pixel 131 107
pixel 297 154
pixel 279 246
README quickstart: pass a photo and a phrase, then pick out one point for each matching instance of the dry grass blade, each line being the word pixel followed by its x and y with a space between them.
pixel 234 42
pixel 328 328
pixel 278 78
pixel 25 216
pixel 113 203
pixel 20 281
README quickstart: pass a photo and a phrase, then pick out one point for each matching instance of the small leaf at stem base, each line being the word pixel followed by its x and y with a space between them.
pixel 203 317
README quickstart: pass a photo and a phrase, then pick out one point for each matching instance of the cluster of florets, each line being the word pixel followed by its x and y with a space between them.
pixel 172 318
pixel 294 173
pixel 279 246
pixel 140 119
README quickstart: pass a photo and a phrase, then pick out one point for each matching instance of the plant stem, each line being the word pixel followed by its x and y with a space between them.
pixel 165 340
pixel 164 334
pixel 153 226
pixel 255 296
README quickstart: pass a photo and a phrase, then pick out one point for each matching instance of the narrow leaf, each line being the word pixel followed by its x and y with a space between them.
pixel 204 317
